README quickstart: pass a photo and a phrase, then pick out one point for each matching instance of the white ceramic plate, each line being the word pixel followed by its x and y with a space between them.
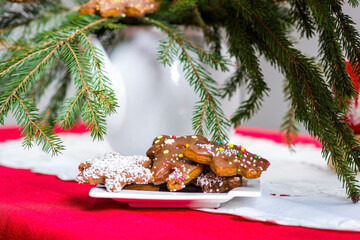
pixel 160 199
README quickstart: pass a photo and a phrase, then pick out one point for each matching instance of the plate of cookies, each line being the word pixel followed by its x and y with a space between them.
pixel 177 172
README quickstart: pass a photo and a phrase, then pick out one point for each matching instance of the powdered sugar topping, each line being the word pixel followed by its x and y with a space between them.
pixel 118 170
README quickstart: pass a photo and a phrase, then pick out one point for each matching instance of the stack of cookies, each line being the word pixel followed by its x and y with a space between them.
pixel 176 162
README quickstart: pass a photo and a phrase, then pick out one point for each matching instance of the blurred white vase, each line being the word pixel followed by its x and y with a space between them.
pixel 153 99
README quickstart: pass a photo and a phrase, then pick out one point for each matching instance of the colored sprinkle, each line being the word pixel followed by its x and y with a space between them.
pixel 256 157
pixel 231 145
pixel 239 155
pixel 181 155
pixel 239 170
pixel 218 142
pixel 173 137
pixel 242 149
pixel 221 149
pixel 187 145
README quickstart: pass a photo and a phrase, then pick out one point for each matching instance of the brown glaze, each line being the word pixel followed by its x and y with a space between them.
pixel 117 8
pixel 226 159
pixel 168 163
pixel 142 187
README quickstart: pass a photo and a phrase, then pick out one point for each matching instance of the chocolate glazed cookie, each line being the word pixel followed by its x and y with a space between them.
pixel 212 183
pixel 169 164
pixel 226 159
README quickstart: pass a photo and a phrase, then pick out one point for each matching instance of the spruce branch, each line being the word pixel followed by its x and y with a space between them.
pixel 349 36
pixel 311 98
pixel 211 115
pixel 94 58
pixel 353 3
pixel 25 80
pixel 92 117
pixel 71 107
pixel 56 101
pixel 241 47
pixel 183 5
pixel 330 51
pixel 40 58
pixel 301 15
pixel 33 17
pixel 44 135
pixel 238 79
pixel 55 72
pixel 104 93
pixel 289 127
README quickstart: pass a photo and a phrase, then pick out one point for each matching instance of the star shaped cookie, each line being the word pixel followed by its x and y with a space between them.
pixel 169 164
pixel 115 171
pixel 117 8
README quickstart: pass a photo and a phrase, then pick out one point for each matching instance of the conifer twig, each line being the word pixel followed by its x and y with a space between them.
pixel 208 92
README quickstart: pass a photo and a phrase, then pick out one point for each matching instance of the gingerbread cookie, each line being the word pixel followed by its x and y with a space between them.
pixel 115 171
pixel 117 8
pixel 169 164
pixel 212 183
pixel 226 159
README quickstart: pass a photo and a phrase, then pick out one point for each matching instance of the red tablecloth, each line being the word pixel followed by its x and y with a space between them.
pixel 35 206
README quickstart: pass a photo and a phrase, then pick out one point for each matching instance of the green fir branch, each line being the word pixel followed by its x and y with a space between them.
pixel 311 98
pixel 354 3
pixel 211 117
pixel 330 51
pixel 303 19
pixel 289 127
pixel 349 36
pixel 33 17
pixel 240 46
pixel 92 117
pixel 34 65
pixel 51 112
pixel 102 90
pixel 231 85
pixel 183 5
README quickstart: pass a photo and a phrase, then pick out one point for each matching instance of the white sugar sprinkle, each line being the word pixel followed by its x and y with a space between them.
pixel 169 141
pixel 118 170
pixel 209 179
